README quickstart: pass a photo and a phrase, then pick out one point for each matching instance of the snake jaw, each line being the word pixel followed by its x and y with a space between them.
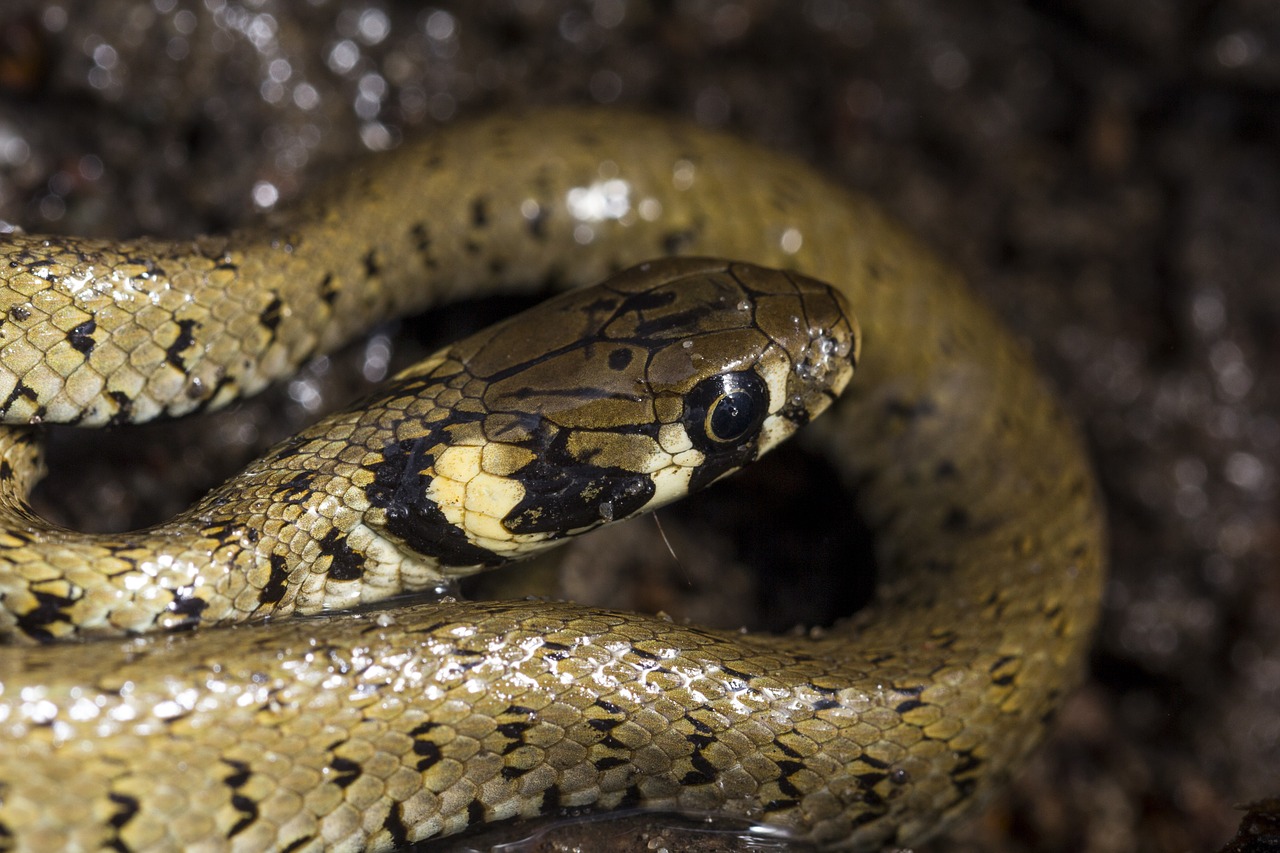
pixel 611 401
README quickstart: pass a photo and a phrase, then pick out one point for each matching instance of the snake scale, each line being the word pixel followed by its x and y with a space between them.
pixel 373 729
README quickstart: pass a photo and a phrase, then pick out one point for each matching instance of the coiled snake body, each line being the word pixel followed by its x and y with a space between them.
pixel 374 729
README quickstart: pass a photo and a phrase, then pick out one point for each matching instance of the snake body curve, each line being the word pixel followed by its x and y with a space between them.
pixel 378 729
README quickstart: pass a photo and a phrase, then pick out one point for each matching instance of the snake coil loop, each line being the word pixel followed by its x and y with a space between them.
pixel 371 730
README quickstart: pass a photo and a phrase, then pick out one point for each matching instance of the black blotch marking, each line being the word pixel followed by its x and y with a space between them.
pixel 789 767
pixel 372 269
pixel 957 520
pixel 744 677
pixel 345 564
pixel 631 798
pixel 124 408
pixel 569 496
pixel 395 827
pixel 328 292
pixel 296 844
pixel 129 807
pixel 704 773
pixel 700 742
pixel 399 488
pixel 6 470
pixel 909 705
pixel 81 337
pixel 296 488
pixel 428 751
pixel 20 391
pixel 718 464
pixel 554 651
pixel 238 778
pixel 22 536
pixel 421 237
pixel 246 807
pixel 277 581
pixel 18 313
pixel 480 212
pixel 601 724
pixel 551 799
pixel 184 340
pixel 49 609
pixel 514 730
pixel 205 395
pixel 964 776
pixel 786 750
pixel 870 780
pixel 609 762
pixel 999 662
pixel 871 798
pixel 475 813
pixel 270 316
pixel 347 771
pixel 699 726
pixel 785 785
pixel 620 358
pixel 189 606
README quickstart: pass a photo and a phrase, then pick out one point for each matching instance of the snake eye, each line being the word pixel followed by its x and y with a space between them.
pixel 725 410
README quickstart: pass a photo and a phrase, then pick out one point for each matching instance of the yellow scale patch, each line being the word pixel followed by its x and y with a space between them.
pixel 475 499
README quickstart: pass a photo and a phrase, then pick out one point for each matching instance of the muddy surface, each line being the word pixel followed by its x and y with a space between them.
pixel 1106 174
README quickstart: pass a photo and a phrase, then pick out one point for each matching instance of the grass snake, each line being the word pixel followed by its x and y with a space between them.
pixel 373 729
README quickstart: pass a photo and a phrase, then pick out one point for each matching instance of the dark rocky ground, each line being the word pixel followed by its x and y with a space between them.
pixel 1107 174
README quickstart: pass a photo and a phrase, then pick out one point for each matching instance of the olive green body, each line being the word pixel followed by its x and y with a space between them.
pixel 375 729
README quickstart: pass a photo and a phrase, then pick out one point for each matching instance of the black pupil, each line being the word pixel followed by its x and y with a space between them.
pixel 730 416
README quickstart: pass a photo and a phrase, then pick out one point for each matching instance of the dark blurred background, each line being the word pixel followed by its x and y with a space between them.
pixel 1107 175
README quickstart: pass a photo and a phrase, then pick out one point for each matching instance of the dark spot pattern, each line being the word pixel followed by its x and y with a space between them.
pixel 81 337
pixel 344 563
pixel 270 316
pixel 184 341
pixel 277 582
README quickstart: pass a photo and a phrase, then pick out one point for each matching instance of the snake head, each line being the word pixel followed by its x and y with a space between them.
pixel 606 402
